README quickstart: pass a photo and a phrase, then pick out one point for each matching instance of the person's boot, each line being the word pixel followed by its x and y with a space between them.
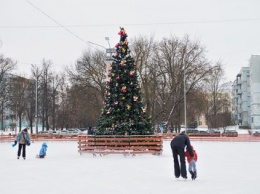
pixel 195 175
pixel 192 175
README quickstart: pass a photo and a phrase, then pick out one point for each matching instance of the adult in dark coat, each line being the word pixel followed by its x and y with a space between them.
pixel 178 145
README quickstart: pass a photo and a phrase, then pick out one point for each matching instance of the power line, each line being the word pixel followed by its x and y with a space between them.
pixel 132 24
pixel 64 27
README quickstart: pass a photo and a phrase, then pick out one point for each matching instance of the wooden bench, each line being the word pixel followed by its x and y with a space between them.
pixel 7 138
pixel 127 145
pixel 53 137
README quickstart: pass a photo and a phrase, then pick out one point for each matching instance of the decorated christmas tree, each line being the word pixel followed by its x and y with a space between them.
pixel 123 112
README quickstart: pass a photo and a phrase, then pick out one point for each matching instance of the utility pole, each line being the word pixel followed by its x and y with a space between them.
pixel 109 58
pixel 185 106
pixel 36 96
pixel 109 50
pixel 36 101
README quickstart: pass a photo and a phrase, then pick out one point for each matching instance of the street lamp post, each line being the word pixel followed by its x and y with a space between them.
pixel 36 95
pixel 185 105
pixel 36 102
pixel 109 50
pixel 107 39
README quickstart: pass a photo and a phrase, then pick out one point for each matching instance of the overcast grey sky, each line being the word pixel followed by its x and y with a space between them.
pixel 229 29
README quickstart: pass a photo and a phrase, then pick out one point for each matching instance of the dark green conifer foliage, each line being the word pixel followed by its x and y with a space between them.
pixel 123 111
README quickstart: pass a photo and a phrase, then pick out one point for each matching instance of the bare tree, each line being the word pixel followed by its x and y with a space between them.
pixel 196 106
pixel 62 113
pixel 6 66
pixel 87 89
pixel 18 91
pixel 175 59
pixel 224 119
pixel 36 75
pixel 30 103
pixel 44 90
pixel 216 96
pixel 90 71
pixel 142 51
pixel 57 81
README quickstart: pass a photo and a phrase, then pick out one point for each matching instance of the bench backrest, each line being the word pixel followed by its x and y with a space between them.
pixel 120 142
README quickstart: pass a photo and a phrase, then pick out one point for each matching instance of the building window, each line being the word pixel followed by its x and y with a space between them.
pixel 252 119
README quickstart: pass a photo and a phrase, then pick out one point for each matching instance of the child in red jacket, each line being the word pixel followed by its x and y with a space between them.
pixel 192 163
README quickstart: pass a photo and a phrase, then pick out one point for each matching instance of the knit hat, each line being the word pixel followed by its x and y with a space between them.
pixel 25 130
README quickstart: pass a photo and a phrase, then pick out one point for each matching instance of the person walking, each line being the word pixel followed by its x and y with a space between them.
pixel 192 163
pixel 178 145
pixel 23 139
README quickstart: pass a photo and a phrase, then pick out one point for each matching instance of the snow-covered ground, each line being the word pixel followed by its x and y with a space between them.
pixel 223 167
pixel 235 127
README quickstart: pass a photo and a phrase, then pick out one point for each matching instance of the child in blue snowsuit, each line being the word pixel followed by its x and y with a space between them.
pixel 43 150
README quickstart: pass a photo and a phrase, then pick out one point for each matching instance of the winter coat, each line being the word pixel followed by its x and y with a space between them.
pixel 43 149
pixel 180 141
pixel 187 154
pixel 23 138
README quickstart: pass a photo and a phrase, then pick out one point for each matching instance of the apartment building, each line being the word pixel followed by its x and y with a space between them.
pixel 241 97
pixel 254 64
pixel 246 95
